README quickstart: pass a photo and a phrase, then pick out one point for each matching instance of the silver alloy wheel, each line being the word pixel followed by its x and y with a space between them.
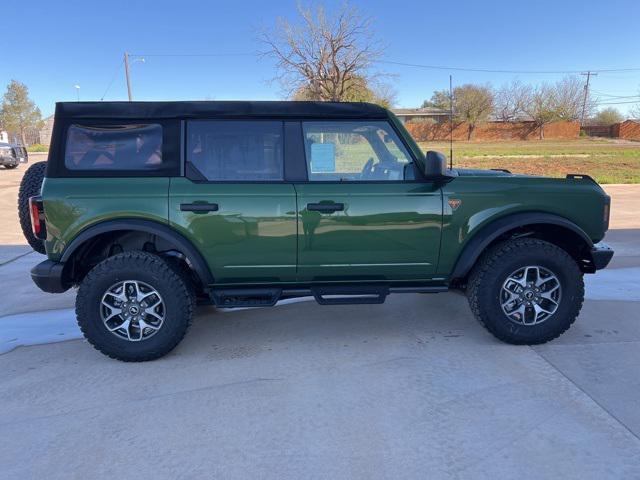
pixel 530 295
pixel 132 310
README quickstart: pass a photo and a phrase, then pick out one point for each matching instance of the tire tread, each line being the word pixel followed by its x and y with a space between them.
pixel 488 262
pixel 147 262
pixel 30 186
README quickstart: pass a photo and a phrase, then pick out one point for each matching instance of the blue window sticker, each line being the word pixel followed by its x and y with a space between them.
pixel 323 157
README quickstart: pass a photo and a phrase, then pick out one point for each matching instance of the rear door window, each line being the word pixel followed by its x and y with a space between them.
pixel 114 148
pixel 236 150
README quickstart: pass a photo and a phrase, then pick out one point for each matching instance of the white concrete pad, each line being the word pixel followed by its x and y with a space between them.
pixel 413 388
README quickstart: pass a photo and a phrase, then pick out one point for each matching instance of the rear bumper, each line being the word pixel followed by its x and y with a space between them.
pixel 48 277
pixel 9 161
pixel 601 255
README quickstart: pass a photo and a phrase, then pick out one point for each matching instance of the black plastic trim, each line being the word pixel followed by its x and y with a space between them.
pixel 493 230
pixel 48 277
pixel 325 207
pixel 601 255
pixel 295 165
pixel 580 176
pixel 199 207
pixel 147 226
pixel 350 295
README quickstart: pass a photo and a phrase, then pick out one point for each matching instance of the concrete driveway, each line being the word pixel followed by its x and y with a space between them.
pixel 414 388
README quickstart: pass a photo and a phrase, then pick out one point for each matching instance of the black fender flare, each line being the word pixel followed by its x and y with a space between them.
pixel 487 234
pixel 147 226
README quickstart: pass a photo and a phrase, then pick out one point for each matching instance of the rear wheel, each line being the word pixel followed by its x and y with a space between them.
pixel 134 307
pixel 526 291
pixel 30 186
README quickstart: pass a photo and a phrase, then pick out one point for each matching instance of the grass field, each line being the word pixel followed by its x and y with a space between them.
pixel 608 161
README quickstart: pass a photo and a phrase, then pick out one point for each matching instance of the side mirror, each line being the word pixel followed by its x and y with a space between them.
pixel 435 165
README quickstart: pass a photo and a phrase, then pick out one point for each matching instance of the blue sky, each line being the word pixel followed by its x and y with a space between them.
pixel 62 44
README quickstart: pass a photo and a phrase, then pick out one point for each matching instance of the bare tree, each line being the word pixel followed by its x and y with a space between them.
pixel 510 101
pixel 634 112
pixel 326 56
pixel 547 103
pixel 540 105
pixel 472 104
pixel 569 97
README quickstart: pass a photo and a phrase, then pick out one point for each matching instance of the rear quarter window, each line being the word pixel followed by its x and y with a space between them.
pixel 137 147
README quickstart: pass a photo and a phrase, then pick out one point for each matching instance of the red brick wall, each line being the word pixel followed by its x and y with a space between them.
pixel 424 132
pixel 629 130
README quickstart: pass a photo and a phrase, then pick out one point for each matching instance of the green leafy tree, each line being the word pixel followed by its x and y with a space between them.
pixel 358 91
pixel 608 116
pixel 472 104
pixel 18 112
pixel 440 99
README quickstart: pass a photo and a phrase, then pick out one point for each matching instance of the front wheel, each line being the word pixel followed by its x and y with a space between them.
pixel 526 291
pixel 10 167
pixel 134 307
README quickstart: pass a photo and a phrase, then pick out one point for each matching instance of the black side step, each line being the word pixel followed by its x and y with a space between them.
pixel 245 297
pixel 350 295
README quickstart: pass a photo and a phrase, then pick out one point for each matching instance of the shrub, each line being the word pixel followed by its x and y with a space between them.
pixel 38 147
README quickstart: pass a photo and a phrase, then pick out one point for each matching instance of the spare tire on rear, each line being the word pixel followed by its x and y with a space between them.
pixel 29 187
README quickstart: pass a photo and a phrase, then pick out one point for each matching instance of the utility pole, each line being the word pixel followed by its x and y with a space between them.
pixel 586 94
pixel 126 73
pixel 450 122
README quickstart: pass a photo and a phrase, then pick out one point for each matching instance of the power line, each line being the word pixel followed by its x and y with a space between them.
pixel 115 74
pixel 608 95
pixel 485 70
pixel 193 55
pixel 618 103
pixel 405 64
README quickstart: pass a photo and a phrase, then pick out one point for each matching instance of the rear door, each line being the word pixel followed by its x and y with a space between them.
pixel 363 215
pixel 233 202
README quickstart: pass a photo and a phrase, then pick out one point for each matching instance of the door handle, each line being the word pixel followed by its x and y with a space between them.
pixel 199 207
pixel 325 207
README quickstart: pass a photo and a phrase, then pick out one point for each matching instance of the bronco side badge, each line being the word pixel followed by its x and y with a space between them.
pixel 454 203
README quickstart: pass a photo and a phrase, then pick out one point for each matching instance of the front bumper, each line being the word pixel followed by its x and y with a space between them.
pixel 48 276
pixel 601 255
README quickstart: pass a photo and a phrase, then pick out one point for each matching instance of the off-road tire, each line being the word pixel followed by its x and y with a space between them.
pixel 144 267
pixel 29 187
pixel 487 277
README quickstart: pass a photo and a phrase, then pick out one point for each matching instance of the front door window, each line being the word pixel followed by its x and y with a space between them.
pixel 355 151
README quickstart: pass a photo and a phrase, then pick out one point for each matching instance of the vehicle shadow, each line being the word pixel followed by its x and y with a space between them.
pixel 413 318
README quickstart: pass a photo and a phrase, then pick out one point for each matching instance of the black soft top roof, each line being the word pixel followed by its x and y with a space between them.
pixel 223 109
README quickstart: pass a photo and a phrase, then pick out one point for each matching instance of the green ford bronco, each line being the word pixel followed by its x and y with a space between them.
pixel 153 207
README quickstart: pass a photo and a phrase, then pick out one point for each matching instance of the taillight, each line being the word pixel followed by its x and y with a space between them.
pixel 36 211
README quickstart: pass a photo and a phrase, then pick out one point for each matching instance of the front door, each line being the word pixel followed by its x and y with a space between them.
pixel 234 204
pixel 363 216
